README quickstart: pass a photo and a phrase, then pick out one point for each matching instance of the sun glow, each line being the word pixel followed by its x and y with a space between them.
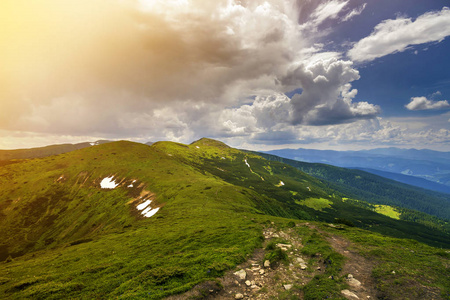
pixel 151 5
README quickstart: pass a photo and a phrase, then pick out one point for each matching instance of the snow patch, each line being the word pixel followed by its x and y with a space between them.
pixel 92 144
pixel 146 210
pixel 197 147
pixel 248 165
pixel 130 185
pixel 151 212
pixel 223 157
pixel 281 183
pixel 143 205
pixel 108 183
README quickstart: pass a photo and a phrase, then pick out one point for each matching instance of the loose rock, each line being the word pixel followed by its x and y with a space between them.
pixel 287 287
pixel 349 295
pixel 352 281
pixel 267 264
pixel 239 296
pixel 241 274
pixel 284 246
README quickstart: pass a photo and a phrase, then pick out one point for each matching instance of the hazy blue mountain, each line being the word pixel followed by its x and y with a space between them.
pixel 426 164
pixel 411 180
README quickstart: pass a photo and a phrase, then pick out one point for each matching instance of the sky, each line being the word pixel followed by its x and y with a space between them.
pixel 323 74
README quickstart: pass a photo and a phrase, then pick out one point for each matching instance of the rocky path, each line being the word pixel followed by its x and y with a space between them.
pixel 360 280
pixel 259 279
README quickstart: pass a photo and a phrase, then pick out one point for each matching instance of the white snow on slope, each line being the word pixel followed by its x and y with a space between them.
pixel 146 210
pixel 131 184
pixel 108 183
pixel 151 213
pixel 248 165
pixel 143 205
pixel 281 183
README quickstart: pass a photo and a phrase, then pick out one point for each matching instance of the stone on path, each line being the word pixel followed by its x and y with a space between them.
pixel 284 245
pixel 352 281
pixel 349 295
pixel 241 274
pixel 287 287
pixel 267 264
pixel 238 296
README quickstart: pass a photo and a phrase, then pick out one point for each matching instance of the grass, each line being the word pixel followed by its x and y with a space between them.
pixel 161 257
pixel 315 203
pixel 275 254
pixel 326 285
pixel 388 211
pixel 417 270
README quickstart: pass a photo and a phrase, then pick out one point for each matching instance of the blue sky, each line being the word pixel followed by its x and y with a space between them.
pixel 422 70
pixel 261 74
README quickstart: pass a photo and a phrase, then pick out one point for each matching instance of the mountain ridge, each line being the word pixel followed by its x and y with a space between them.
pixel 75 225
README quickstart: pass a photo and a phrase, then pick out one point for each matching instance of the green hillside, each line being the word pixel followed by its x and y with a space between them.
pixel 375 189
pixel 63 235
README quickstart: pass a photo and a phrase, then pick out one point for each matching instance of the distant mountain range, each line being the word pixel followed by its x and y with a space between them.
pixel 423 168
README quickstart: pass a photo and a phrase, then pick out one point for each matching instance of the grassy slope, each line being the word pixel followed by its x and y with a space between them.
pixel 299 186
pixel 213 210
pixel 199 232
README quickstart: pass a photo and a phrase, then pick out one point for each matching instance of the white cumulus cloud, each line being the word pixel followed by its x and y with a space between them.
pixel 397 35
pixel 422 103
pixel 326 96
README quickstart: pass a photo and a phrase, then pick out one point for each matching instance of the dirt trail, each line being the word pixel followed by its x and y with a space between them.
pixel 262 282
pixel 356 265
